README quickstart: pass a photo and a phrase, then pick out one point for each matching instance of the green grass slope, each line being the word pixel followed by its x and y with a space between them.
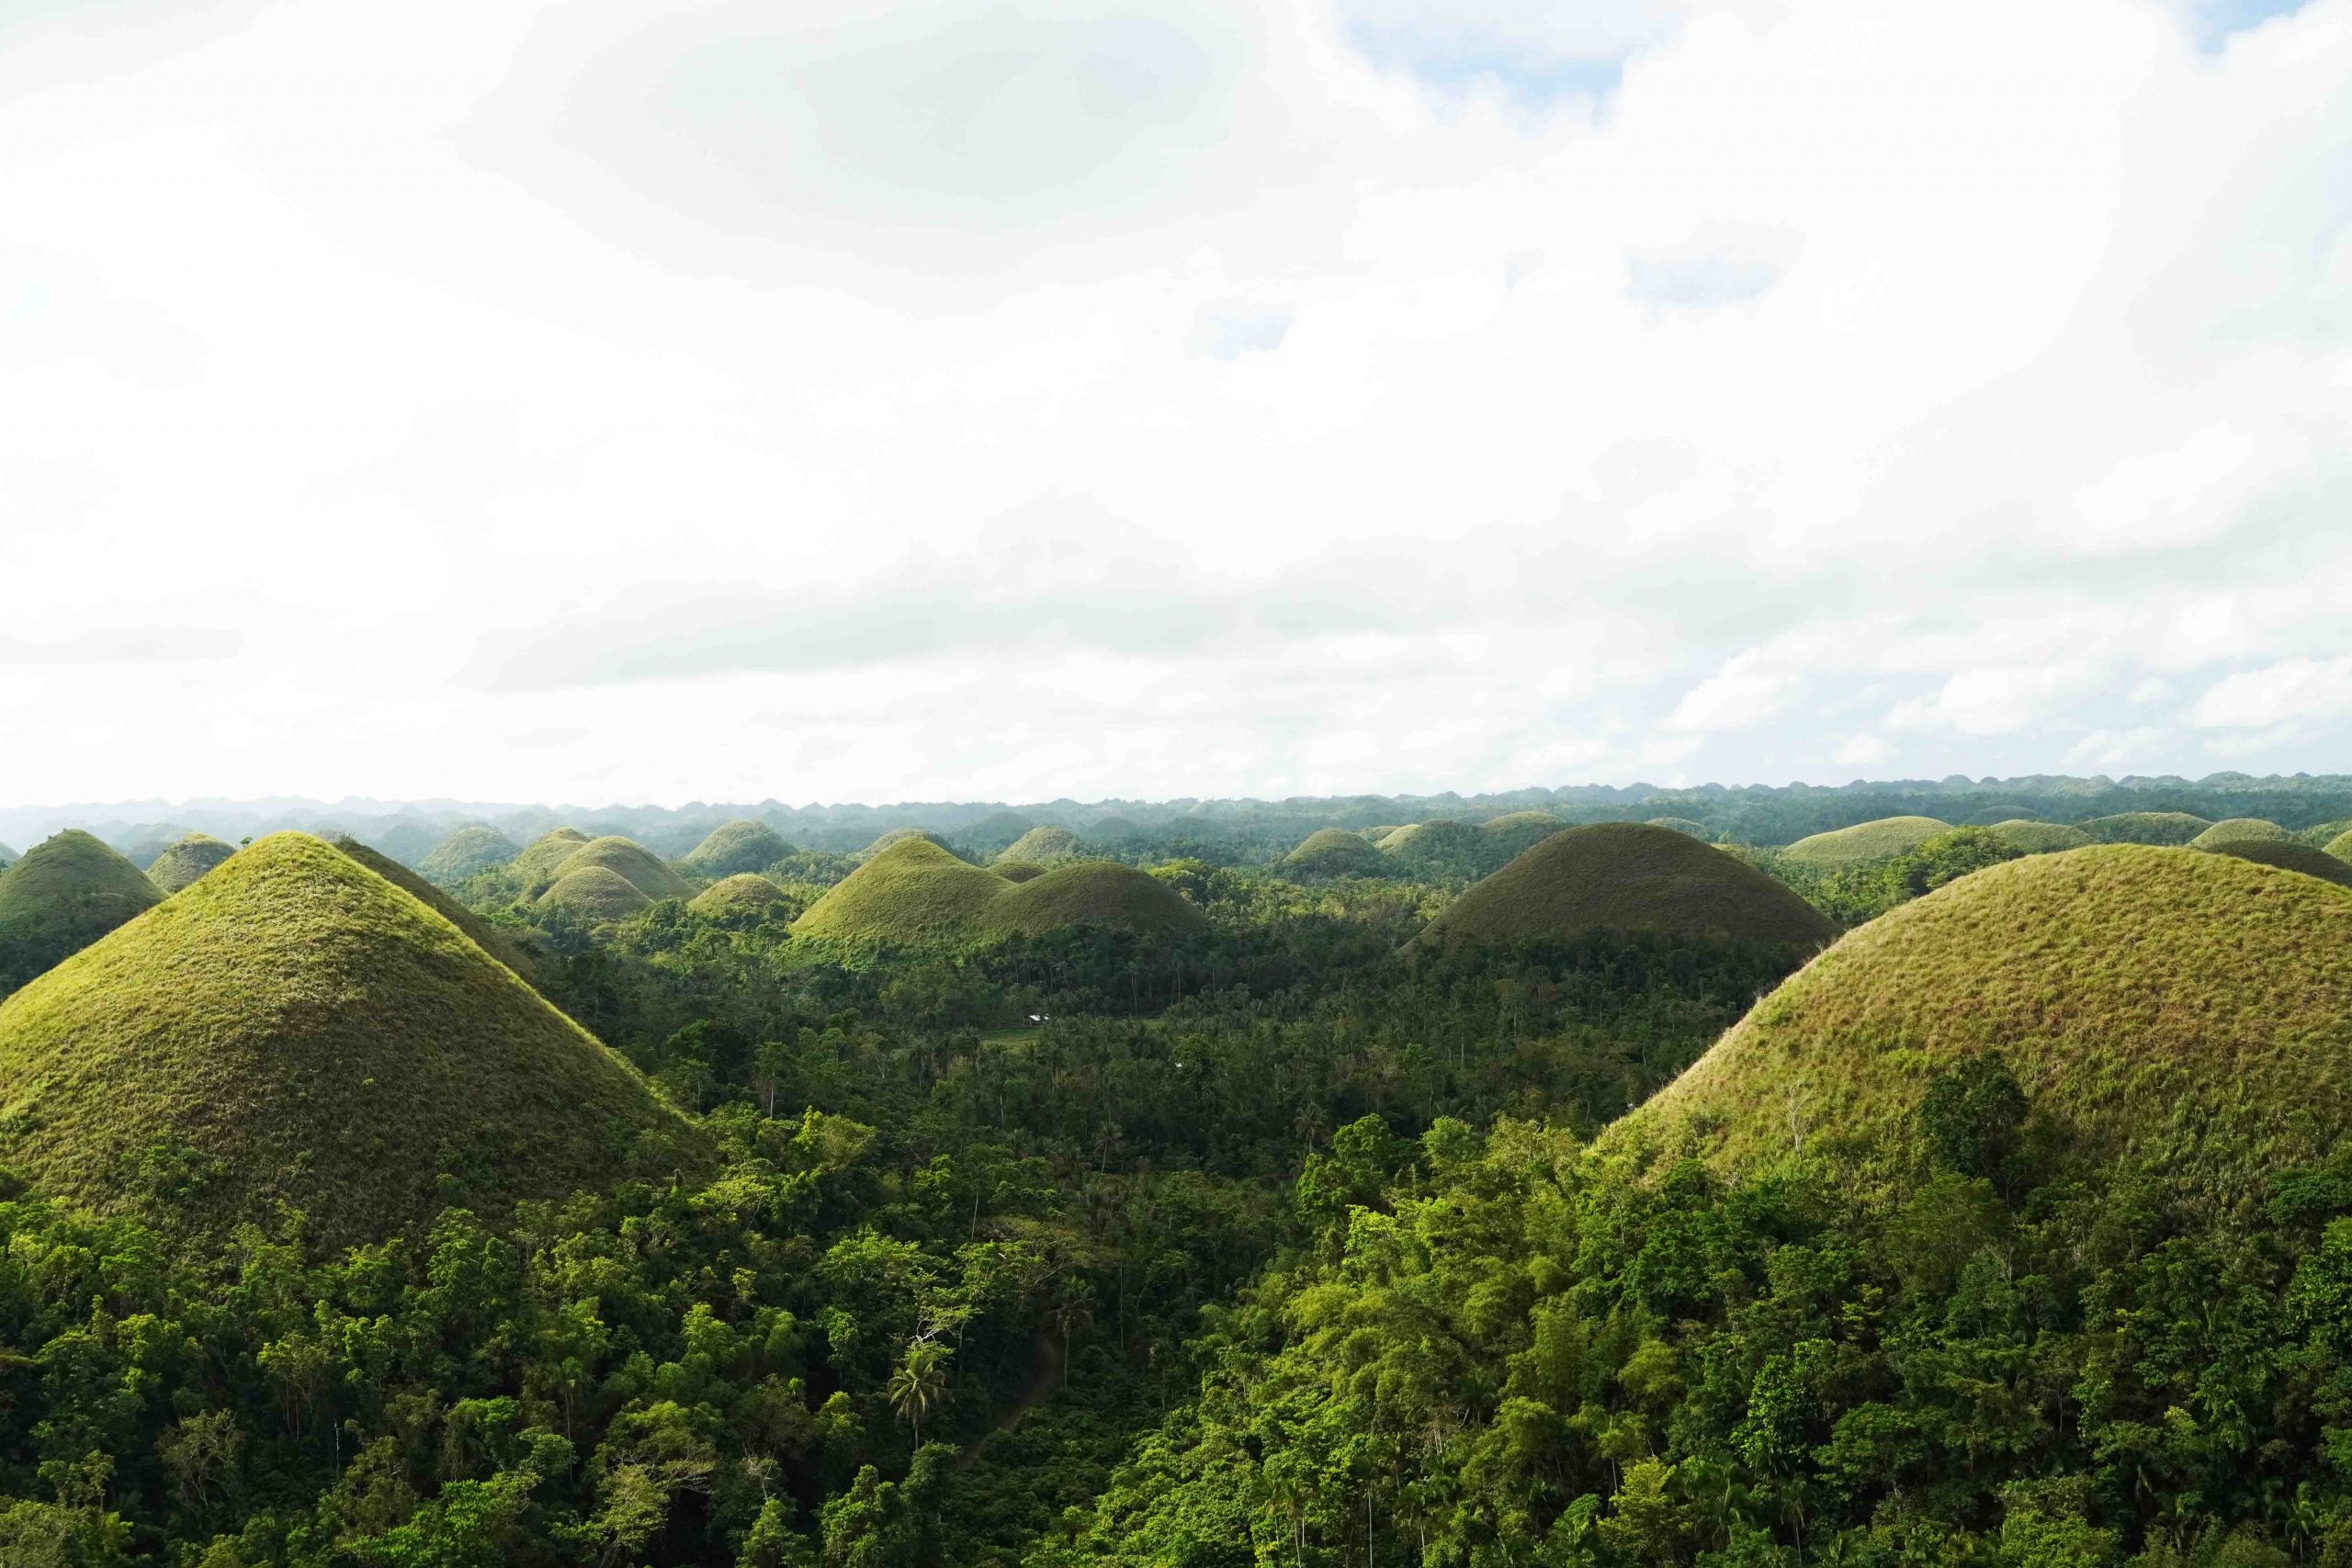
pixel 1335 852
pixel 2145 828
pixel 739 897
pixel 1511 821
pixel 1092 893
pixel 2188 1014
pixel 1865 841
pixel 296 1028
pixel 1628 876
pixel 2288 856
pixel 2039 838
pixel 1040 846
pixel 732 848
pixel 499 944
pixel 1699 830
pixel 2341 847
pixel 467 851
pixel 2240 829
pixel 912 891
pixel 630 861
pixel 594 893
pixel 187 859
pixel 540 858
pixel 66 892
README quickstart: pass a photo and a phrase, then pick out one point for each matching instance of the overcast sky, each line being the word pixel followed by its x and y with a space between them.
pixel 621 401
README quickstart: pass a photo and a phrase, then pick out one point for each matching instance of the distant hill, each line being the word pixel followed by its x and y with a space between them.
pixel 2145 828
pixel 913 890
pixel 594 893
pixel 2240 829
pixel 2288 856
pixel 1698 830
pixel 998 827
pixel 1629 876
pixel 735 848
pixel 2040 838
pixel 186 860
pixel 540 858
pixel 1865 841
pixel 1510 821
pixel 500 944
pixel 738 897
pixel 467 852
pixel 295 1029
pixel 630 861
pixel 1041 846
pixel 899 835
pixel 1335 852
pixel 2341 846
pixel 1093 893
pixel 65 893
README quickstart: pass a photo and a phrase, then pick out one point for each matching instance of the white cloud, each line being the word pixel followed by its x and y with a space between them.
pixel 2306 692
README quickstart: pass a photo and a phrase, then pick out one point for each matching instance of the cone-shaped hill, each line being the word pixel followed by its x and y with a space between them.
pixel 2033 838
pixel 1040 845
pixel 1629 876
pixel 467 852
pixel 2239 830
pixel 735 848
pixel 296 1028
pixel 499 944
pixel 66 891
pixel 1093 893
pixel 187 859
pixel 1335 852
pixel 1865 841
pixel 911 891
pixel 2288 856
pixel 540 858
pixel 2145 828
pixel 632 863
pixel 742 896
pixel 2186 1015
pixel 594 893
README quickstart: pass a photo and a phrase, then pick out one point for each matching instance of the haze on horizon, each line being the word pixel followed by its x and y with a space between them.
pixel 1167 398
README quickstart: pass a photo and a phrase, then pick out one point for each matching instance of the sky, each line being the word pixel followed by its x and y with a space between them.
pixel 609 401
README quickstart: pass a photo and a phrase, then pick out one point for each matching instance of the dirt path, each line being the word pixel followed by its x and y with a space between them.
pixel 1045 1375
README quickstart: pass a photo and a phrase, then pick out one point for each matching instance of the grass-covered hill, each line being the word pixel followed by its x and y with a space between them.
pixel 2188 1013
pixel 898 836
pixel 65 893
pixel 913 890
pixel 186 860
pixel 2039 838
pixel 1684 825
pixel 296 1028
pixel 2288 856
pixel 1093 893
pixel 2145 828
pixel 592 892
pixel 1018 871
pixel 1335 852
pixel 1629 876
pixel 1513 821
pixel 2341 846
pixel 501 945
pixel 2240 829
pixel 631 861
pixel 1864 841
pixel 1041 846
pixel 741 897
pixel 467 851
pixel 732 848
pixel 540 858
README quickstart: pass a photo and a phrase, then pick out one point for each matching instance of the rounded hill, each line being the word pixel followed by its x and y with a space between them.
pixel 2288 856
pixel 187 859
pixel 66 892
pixel 631 861
pixel 467 852
pixel 541 857
pixel 1093 893
pixel 2188 1014
pixel 1629 876
pixel 501 945
pixel 2034 837
pixel 2239 830
pixel 2341 847
pixel 1039 846
pixel 738 897
pixel 1335 852
pixel 594 893
pixel 2145 828
pixel 912 891
pixel 899 836
pixel 732 848
pixel 295 1029
pixel 1516 821
pixel 1865 841
pixel 1699 830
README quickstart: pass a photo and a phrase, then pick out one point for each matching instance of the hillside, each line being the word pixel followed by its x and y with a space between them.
pixel 540 858
pixel 466 852
pixel 2288 856
pixel 501 945
pixel 2039 838
pixel 733 849
pixel 2191 1013
pixel 1041 846
pixel 1628 876
pixel 2145 828
pixel 2341 847
pixel 742 896
pixel 187 860
pixel 1865 841
pixel 65 893
pixel 1684 825
pixel 913 890
pixel 1335 852
pixel 1097 893
pixel 631 861
pixel 296 1028
pixel 2240 829
pixel 594 893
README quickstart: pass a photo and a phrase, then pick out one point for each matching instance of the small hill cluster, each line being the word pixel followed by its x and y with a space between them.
pixel 914 891
pixel 567 873
pixel 1865 841
pixel 185 860
pixel 66 892
pixel 468 852
pixel 735 848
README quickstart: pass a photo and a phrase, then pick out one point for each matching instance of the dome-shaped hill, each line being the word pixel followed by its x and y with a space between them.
pixel 631 861
pixel 899 836
pixel 594 893
pixel 732 848
pixel 2326 833
pixel 2039 838
pixel 1093 893
pixel 467 852
pixel 1335 852
pixel 1698 830
pixel 540 858
pixel 501 945
pixel 2239 830
pixel 912 891
pixel 187 860
pixel 1018 871
pixel 1109 830
pixel 738 898
pixel 1040 845
pixel 2341 847
pixel 2188 1014
pixel 1512 821
pixel 294 1028
pixel 66 891
pixel 2288 856
pixel 1864 841
pixel 1629 876
pixel 2145 828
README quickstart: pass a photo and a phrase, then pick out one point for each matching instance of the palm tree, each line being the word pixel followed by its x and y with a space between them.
pixel 920 1383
